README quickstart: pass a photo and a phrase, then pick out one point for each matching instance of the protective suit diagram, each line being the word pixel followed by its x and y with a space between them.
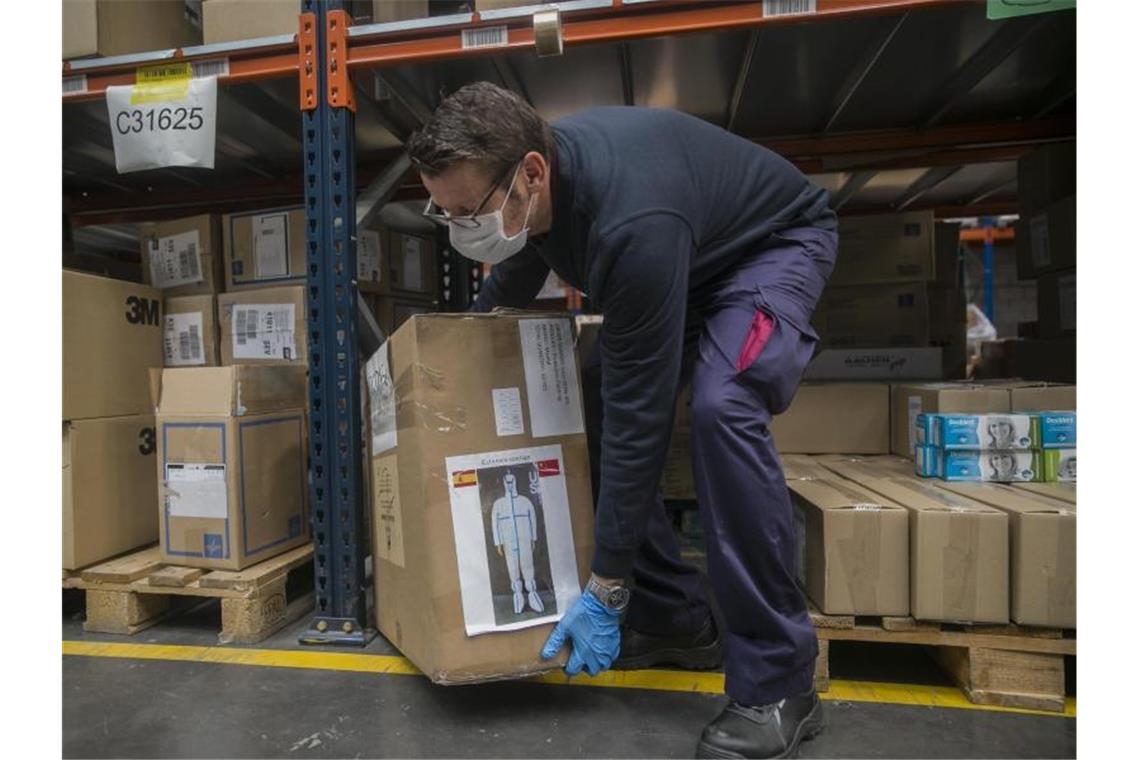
pixel 514 526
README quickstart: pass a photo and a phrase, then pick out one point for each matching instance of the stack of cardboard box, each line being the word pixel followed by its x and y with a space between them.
pixel 1046 252
pixel 1000 448
pixel 893 307
pixel 397 274
pixel 119 27
pixel 230 20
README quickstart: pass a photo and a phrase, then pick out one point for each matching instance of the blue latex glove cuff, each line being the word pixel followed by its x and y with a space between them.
pixel 594 633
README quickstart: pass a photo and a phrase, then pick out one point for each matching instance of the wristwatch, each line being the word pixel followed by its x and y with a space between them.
pixel 614 598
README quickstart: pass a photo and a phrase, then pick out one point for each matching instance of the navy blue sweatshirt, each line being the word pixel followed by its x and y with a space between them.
pixel 651 208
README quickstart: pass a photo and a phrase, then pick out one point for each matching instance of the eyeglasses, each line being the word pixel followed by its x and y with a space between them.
pixel 468 221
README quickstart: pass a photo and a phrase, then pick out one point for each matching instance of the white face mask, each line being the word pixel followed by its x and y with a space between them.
pixel 487 243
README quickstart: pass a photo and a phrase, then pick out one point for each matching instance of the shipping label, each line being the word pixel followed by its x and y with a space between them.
pixel 553 395
pixel 174 260
pixel 264 331
pixel 196 490
pixel 508 411
pixel 271 246
pixel 182 340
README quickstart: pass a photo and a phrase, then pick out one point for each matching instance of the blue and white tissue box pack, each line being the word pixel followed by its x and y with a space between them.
pixel 977 432
pixel 1058 430
pixel 1010 466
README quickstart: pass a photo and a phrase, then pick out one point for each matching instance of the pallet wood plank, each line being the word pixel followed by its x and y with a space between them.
pixel 125 569
pixel 822 667
pixel 820 620
pixel 876 634
pixel 173 576
pixel 907 623
pixel 1010 679
pixel 123 611
pixel 260 574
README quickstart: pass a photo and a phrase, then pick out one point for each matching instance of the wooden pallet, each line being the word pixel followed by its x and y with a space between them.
pixel 1007 665
pixel 134 592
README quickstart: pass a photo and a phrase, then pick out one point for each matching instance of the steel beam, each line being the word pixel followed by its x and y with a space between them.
pixel 626 68
pixel 741 83
pixel 380 191
pixel 924 184
pixel 860 71
pixel 991 191
pixel 853 184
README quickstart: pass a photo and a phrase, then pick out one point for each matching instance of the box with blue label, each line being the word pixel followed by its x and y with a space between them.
pixel 232 464
pixel 1058 430
pixel 982 466
pixel 978 432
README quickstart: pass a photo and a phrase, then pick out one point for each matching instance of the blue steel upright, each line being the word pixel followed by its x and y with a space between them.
pixel 335 477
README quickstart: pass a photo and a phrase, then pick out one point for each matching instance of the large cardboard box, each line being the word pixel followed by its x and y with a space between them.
pixel 109 490
pixel 907 314
pixel 1041 397
pixel 858 364
pixel 391 312
pixel 396 263
pixel 183 257
pixel 232 464
pixel 230 20
pixel 1057 303
pixel 835 418
pixel 803 467
pixel 910 400
pixel 1061 491
pixel 120 27
pixel 112 336
pixel 1042 552
pixel 1045 175
pixel 959 547
pixel 264 248
pixel 907 247
pixel 384 11
pixel 1046 240
pixel 266 326
pixel 853 548
pixel 190 332
pixel 478 477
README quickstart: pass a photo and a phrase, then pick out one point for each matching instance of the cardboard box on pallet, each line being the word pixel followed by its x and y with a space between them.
pixel 803 467
pixel 112 336
pixel 264 326
pixel 183 257
pixel 109 488
pixel 120 27
pixel 906 247
pixel 232 464
pixel 835 418
pixel 190 332
pixel 473 472
pixel 959 547
pixel 1042 552
pixel 1040 397
pixel 264 248
pixel 853 548
pixel 910 400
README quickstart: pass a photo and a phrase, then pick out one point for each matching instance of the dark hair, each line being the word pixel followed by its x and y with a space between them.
pixel 480 122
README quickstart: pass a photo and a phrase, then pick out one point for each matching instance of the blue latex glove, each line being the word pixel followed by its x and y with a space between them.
pixel 594 633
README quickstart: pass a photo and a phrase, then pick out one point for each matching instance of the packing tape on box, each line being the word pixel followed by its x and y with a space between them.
pixel 859 557
pixel 960 566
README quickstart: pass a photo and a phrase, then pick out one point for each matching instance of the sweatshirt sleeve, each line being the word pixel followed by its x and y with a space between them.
pixel 515 282
pixel 643 297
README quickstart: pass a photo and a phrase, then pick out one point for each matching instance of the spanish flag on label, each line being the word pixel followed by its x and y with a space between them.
pixel 464 478
pixel 548 468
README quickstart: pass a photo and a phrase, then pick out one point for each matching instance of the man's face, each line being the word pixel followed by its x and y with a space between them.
pixel 460 190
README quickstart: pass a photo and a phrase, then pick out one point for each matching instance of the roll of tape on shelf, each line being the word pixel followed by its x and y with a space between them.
pixel 548 32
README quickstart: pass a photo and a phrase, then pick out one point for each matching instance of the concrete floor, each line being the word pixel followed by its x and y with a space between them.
pixel 150 708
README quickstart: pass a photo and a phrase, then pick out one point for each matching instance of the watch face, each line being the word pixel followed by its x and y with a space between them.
pixel 619 597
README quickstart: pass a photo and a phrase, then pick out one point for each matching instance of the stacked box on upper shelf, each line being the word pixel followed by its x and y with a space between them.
pixel 264 248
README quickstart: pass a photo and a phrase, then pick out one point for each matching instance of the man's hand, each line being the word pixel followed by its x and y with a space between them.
pixel 594 634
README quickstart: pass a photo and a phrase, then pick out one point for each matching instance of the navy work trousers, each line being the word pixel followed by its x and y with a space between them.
pixel 744 361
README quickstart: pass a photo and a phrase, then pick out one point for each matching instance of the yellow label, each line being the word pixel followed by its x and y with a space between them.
pixel 162 83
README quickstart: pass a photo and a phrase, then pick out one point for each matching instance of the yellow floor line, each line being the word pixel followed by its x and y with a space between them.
pixel 657 680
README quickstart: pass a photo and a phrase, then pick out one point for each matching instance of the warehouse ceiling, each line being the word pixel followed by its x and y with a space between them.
pixel 922 108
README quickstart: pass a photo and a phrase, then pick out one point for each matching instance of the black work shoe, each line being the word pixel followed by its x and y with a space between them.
pixel 774 730
pixel 692 651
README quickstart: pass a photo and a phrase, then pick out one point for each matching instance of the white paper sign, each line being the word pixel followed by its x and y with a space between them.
pixel 382 400
pixel 174 260
pixel 413 269
pixel 552 391
pixel 196 490
pixel 514 542
pixel 172 123
pixel 182 340
pixel 271 245
pixel 508 411
pixel 264 331
pixel 368 256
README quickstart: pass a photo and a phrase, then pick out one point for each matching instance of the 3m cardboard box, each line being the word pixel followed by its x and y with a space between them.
pixel 1047 239
pixel 959 547
pixel 907 247
pixel 230 20
pixel 858 364
pixel 232 464
pixel 396 263
pixel 119 27
pixel 907 314
pixel 264 326
pixel 1042 552
pixel 108 488
pixel 835 418
pixel 183 257
pixel 190 332
pixel 910 400
pixel 803 467
pixel 112 337
pixel 264 248
pixel 482 506
pixel 391 312
pixel 1045 175
pixel 853 548
pixel 1057 303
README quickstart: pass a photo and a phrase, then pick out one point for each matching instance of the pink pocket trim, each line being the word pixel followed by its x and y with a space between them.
pixel 759 332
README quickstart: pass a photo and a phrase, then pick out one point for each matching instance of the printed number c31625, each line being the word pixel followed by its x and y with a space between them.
pixel 160 119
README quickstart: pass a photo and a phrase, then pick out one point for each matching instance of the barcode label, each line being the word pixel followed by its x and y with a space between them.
pixel 264 331
pixel 788 7
pixel 183 340
pixel 241 326
pixel 216 67
pixel 75 84
pixel 491 36
pixel 174 260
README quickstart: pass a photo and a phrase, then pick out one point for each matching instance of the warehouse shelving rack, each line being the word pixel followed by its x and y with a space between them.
pixel 890 104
